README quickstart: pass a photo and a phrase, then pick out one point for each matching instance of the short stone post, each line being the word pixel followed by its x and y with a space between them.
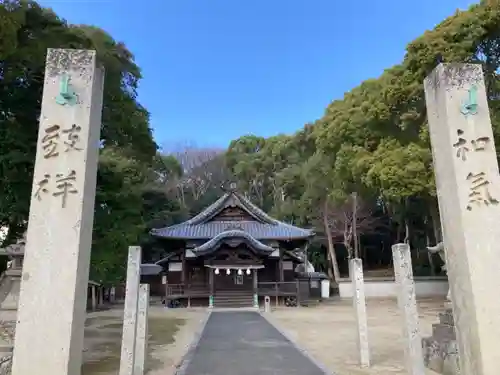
pixel 359 302
pixel 141 343
pixel 49 333
pixel 127 359
pixel 407 302
pixel 93 297
pixel 267 304
pixel 468 190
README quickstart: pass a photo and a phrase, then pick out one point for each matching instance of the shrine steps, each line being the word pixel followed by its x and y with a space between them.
pixel 233 298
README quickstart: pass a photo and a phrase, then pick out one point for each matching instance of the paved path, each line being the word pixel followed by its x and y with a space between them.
pixel 244 343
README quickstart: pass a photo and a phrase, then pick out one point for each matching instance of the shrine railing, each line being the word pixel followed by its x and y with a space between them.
pixel 188 290
pixel 280 288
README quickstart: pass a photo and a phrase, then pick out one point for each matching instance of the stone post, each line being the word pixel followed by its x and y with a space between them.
pixel 359 302
pixel 127 359
pixel 407 302
pixel 468 190
pixel 141 343
pixel 94 298
pixel 49 333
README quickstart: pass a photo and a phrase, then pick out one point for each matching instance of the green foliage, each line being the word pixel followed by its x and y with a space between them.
pixel 128 157
pixel 373 141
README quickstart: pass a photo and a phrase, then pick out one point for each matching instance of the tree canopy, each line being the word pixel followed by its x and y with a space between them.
pixel 374 141
pixel 129 154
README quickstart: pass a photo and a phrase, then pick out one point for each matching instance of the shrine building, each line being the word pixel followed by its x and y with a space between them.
pixel 230 254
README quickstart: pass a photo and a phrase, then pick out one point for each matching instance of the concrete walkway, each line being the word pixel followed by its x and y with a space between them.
pixel 244 343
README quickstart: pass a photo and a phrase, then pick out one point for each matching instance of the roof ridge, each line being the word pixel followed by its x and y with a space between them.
pixel 218 206
pixel 203 215
pixel 257 210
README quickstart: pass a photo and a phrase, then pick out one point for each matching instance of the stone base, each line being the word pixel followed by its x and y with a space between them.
pixel 11 285
pixel 5 364
pixel 441 349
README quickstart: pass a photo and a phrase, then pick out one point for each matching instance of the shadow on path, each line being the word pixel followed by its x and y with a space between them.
pixel 244 343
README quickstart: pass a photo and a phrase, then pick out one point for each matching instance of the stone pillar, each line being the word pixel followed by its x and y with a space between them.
pixel 468 190
pixel 141 344
pixel 94 298
pixel 49 335
pixel 127 359
pixel 407 302
pixel 359 302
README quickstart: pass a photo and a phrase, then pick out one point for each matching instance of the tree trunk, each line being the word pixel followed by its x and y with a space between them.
pixel 354 224
pixel 331 248
pixel 329 267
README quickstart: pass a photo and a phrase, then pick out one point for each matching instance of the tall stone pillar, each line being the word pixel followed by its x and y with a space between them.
pixel 407 302
pixel 141 342
pixel 468 189
pixel 129 337
pixel 359 303
pixel 49 333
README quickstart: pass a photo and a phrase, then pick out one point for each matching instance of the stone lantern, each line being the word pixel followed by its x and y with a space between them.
pixel 10 280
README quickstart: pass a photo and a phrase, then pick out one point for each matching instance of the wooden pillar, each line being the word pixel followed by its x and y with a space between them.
pixel 165 280
pixel 112 294
pixel 255 280
pixel 183 272
pixel 298 291
pixel 282 272
pixel 211 283
pixel 101 296
pixel 255 288
pixel 94 299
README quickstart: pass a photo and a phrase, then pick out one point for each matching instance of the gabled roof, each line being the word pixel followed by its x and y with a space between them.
pixel 232 199
pixel 213 244
pixel 262 227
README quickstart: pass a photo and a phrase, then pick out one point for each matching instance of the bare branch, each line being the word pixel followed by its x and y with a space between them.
pixel 340 220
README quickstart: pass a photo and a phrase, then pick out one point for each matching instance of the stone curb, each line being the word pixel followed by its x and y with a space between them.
pixel 304 352
pixel 188 357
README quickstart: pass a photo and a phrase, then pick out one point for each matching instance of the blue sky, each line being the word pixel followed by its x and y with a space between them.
pixel 218 69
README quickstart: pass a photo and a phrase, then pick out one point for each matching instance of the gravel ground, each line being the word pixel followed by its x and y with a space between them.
pixel 328 334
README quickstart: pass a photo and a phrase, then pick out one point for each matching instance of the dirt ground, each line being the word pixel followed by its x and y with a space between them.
pixel 170 334
pixel 328 334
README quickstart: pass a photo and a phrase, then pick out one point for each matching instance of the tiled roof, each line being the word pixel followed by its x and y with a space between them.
pixel 150 269
pixel 255 229
pixel 213 244
pixel 263 227
pixel 232 199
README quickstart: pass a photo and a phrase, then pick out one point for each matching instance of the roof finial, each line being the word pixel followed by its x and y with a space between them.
pixel 232 186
